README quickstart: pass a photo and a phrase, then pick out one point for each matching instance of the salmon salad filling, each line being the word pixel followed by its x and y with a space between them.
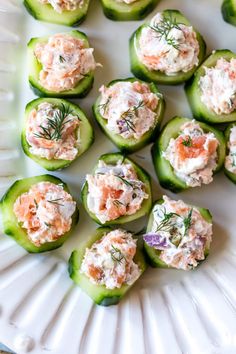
pixel 53 132
pixel 129 108
pixel 109 261
pixel 180 233
pixel 218 87
pixel 230 160
pixel 193 154
pixel 168 46
pixel 65 61
pixel 64 5
pixel 45 212
pixel 114 191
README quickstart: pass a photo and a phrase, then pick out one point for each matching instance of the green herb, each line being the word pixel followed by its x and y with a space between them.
pixel 187 222
pixel 168 221
pixel 128 116
pixel 55 124
pixel 36 204
pixel 117 203
pixel 124 181
pixel 116 254
pixel 55 201
pixel 163 29
pixel 104 106
pixel 62 59
pixel 188 142
pixel 48 225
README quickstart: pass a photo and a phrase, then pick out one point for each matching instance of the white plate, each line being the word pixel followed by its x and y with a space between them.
pixel 168 311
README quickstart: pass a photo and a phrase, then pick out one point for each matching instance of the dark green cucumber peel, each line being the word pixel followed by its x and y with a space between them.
pixel 131 144
pixel 142 72
pixel 113 158
pixel 11 226
pixel 99 293
pixel 193 91
pixel 45 12
pixel 128 12
pixel 152 253
pixel 86 134
pixel 230 175
pixel 228 10
pixel 164 170
pixel 81 90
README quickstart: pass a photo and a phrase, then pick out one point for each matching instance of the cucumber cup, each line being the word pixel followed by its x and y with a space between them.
pixel 228 10
pixel 229 174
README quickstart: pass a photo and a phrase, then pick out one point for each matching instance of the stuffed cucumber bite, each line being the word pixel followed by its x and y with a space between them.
pixel 118 191
pixel 127 10
pixel 108 265
pixel 212 90
pixel 39 213
pixel 62 12
pixel 228 10
pixel 166 50
pixel 61 65
pixel 187 154
pixel 129 112
pixel 55 133
pixel 230 159
pixel 178 235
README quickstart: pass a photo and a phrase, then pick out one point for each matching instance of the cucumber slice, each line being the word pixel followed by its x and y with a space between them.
pixel 164 170
pixel 86 134
pixel 11 226
pixel 228 10
pixel 45 12
pixel 154 254
pixel 131 144
pixel 193 91
pixel 230 175
pixel 99 293
pixel 81 90
pixel 142 175
pixel 142 72
pixel 120 11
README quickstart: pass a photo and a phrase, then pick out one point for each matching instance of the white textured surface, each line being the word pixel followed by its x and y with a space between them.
pixel 167 312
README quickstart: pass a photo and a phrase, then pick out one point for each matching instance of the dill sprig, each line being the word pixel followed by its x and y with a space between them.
pixel 48 225
pixel 55 124
pixel 116 254
pixel 117 203
pixel 187 222
pixel 62 59
pixel 188 142
pixel 167 222
pixel 163 29
pixel 128 116
pixel 125 181
pixel 104 106
pixel 55 201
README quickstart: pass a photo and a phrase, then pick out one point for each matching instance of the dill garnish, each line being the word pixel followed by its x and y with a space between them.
pixel 167 222
pixel 36 204
pixel 48 225
pixel 117 203
pixel 116 254
pixel 104 106
pixel 55 201
pixel 61 59
pixel 188 142
pixel 55 124
pixel 128 116
pixel 187 222
pixel 163 29
pixel 124 181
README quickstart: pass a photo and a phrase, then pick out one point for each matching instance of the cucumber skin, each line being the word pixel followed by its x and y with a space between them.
pixel 55 165
pixel 231 176
pixel 228 12
pixel 142 72
pixel 127 146
pixel 199 110
pixel 70 24
pixel 99 294
pixel 164 171
pixel 147 203
pixel 11 227
pixel 153 255
pixel 134 15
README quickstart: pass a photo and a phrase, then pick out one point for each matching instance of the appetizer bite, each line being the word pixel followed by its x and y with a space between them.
pixel 228 10
pixel 39 213
pixel 118 191
pixel 212 90
pixel 107 265
pixel 62 12
pixel 61 65
pixel 178 235
pixel 127 10
pixel 187 154
pixel 55 133
pixel 129 112
pixel 230 160
pixel 166 50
